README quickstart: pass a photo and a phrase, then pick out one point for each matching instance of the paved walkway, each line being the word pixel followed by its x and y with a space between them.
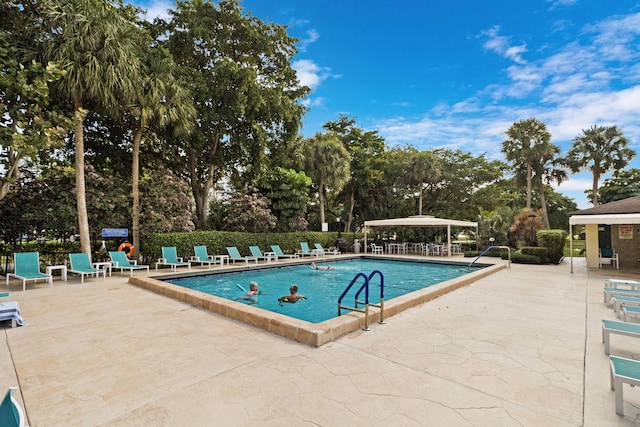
pixel 520 348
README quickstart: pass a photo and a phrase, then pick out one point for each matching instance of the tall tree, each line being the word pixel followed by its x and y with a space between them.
pixel 245 91
pixel 97 46
pixel 599 149
pixel 622 185
pixel 547 170
pixel 327 164
pixel 526 141
pixel 365 149
pixel 422 168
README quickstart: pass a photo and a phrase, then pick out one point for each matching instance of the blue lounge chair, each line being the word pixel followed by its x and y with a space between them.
pixel 324 251
pixel 278 251
pixel 623 371
pixel 234 255
pixel 306 251
pixel 11 414
pixel 170 258
pixel 28 268
pixel 121 262
pixel 616 327
pixel 202 257
pixel 257 253
pixel 611 292
pixel 81 264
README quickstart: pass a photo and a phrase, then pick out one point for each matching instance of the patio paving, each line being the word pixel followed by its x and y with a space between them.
pixel 522 347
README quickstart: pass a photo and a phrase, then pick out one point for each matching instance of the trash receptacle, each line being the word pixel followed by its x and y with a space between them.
pixel 356 246
pixel 342 245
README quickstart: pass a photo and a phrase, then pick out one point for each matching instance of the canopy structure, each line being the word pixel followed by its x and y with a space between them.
pixel 419 221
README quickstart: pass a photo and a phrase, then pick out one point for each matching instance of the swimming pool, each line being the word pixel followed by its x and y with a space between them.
pixel 322 288
pixel 314 334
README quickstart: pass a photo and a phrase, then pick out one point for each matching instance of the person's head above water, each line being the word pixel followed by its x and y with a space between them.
pixel 253 286
pixel 293 289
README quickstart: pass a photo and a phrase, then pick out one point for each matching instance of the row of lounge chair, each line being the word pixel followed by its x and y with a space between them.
pixel 624 296
pixel 27 264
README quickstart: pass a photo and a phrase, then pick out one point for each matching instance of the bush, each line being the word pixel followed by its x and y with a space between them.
pixel 520 258
pixel 554 242
pixel 539 252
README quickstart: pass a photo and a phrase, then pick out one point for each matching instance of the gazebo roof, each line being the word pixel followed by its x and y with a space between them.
pixel 419 221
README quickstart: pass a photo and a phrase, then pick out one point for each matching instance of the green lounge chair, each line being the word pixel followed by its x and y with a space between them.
pixel 121 262
pixel 28 268
pixel 306 251
pixel 623 371
pixel 616 327
pixel 256 252
pixel 234 255
pixel 611 292
pixel 324 251
pixel 202 257
pixel 11 414
pixel 81 264
pixel 170 258
pixel 278 251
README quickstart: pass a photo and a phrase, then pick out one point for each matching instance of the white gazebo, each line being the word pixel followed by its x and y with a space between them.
pixel 419 221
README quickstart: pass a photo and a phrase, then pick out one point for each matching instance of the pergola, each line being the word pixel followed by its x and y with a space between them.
pixel 419 221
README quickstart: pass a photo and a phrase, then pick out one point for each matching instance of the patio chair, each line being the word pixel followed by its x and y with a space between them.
pixel 623 371
pixel 608 257
pixel 322 250
pixel 28 268
pixel 375 249
pixel 306 251
pixel 170 258
pixel 612 292
pixel 11 413
pixel 120 261
pixel 81 264
pixel 202 257
pixel 257 253
pixel 234 255
pixel 278 251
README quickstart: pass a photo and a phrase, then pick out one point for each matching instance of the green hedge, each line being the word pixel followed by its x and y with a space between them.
pixel 217 242
pixel 554 241
pixel 521 258
pixel 541 253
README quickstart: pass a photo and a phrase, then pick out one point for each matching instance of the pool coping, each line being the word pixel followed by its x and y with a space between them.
pixel 313 334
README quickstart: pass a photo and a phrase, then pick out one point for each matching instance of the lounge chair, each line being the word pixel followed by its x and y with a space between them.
pixel 375 249
pixel 81 264
pixel 202 257
pixel 629 311
pixel 256 252
pixel 322 250
pixel 633 285
pixel 234 255
pixel 11 413
pixel 28 268
pixel 121 262
pixel 279 254
pixel 623 371
pixel 170 258
pixel 608 257
pixel 620 301
pixel 616 327
pixel 611 292
pixel 306 251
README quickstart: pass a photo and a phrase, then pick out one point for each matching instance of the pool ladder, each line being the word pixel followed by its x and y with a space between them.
pixel 493 247
pixel 367 304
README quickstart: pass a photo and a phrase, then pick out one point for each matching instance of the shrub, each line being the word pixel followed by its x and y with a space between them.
pixel 520 258
pixel 554 242
pixel 541 253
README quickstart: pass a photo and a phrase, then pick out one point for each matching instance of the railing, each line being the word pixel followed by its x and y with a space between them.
pixel 365 287
pixel 493 247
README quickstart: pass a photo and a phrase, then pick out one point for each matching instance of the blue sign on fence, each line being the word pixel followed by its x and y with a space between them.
pixel 115 232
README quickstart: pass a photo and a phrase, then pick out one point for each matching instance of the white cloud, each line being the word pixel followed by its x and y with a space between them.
pixel 502 45
pixel 311 74
pixel 311 37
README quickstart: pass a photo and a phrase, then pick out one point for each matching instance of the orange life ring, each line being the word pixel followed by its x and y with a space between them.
pixel 127 248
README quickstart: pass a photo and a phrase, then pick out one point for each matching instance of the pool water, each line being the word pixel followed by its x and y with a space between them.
pixel 322 288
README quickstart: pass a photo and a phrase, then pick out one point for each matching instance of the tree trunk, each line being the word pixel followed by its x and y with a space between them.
pixel 529 187
pixel 420 201
pixel 12 174
pixel 594 189
pixel 200 192
pixel 135 189
pixel 321 202
pixel 543 203
pixel 352 202
pixel 81 196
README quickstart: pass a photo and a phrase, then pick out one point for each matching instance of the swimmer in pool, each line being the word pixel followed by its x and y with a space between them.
pixel 315 267
pixel 251 294
pixel 293 297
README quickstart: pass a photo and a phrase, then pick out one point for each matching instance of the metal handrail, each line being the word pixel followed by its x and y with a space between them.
pixel 381 305
pixel 493 247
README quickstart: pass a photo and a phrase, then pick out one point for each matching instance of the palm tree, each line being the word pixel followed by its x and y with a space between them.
pixel 422 168
pixel 547 170
pixel 327 164
pixel 527 141
pixel 162 100
pixel 97 46
pixel 599 149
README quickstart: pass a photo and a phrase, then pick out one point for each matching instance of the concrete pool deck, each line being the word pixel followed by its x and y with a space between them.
pixel 522 347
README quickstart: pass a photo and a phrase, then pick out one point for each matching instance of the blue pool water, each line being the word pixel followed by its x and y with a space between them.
pixel 322 288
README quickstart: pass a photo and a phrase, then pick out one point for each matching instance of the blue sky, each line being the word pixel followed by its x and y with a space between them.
pixel 457 74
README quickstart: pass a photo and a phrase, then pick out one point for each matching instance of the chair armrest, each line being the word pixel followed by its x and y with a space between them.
pixel 211 257
pixel 180 259
pixel 134 261
pixel 160 261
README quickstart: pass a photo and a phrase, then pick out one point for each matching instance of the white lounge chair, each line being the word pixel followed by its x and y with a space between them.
pixel 278 251
pixel 616 327
pixel 81 264
pixel 322 250
pixel 202 257
pixel 623 371
pixel 170 258
pixel 121 262
pixel 234 255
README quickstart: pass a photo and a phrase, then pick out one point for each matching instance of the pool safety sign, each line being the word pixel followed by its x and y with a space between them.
pixel 115 232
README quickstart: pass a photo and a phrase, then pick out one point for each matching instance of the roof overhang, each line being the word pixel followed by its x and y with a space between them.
pixel 633 218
